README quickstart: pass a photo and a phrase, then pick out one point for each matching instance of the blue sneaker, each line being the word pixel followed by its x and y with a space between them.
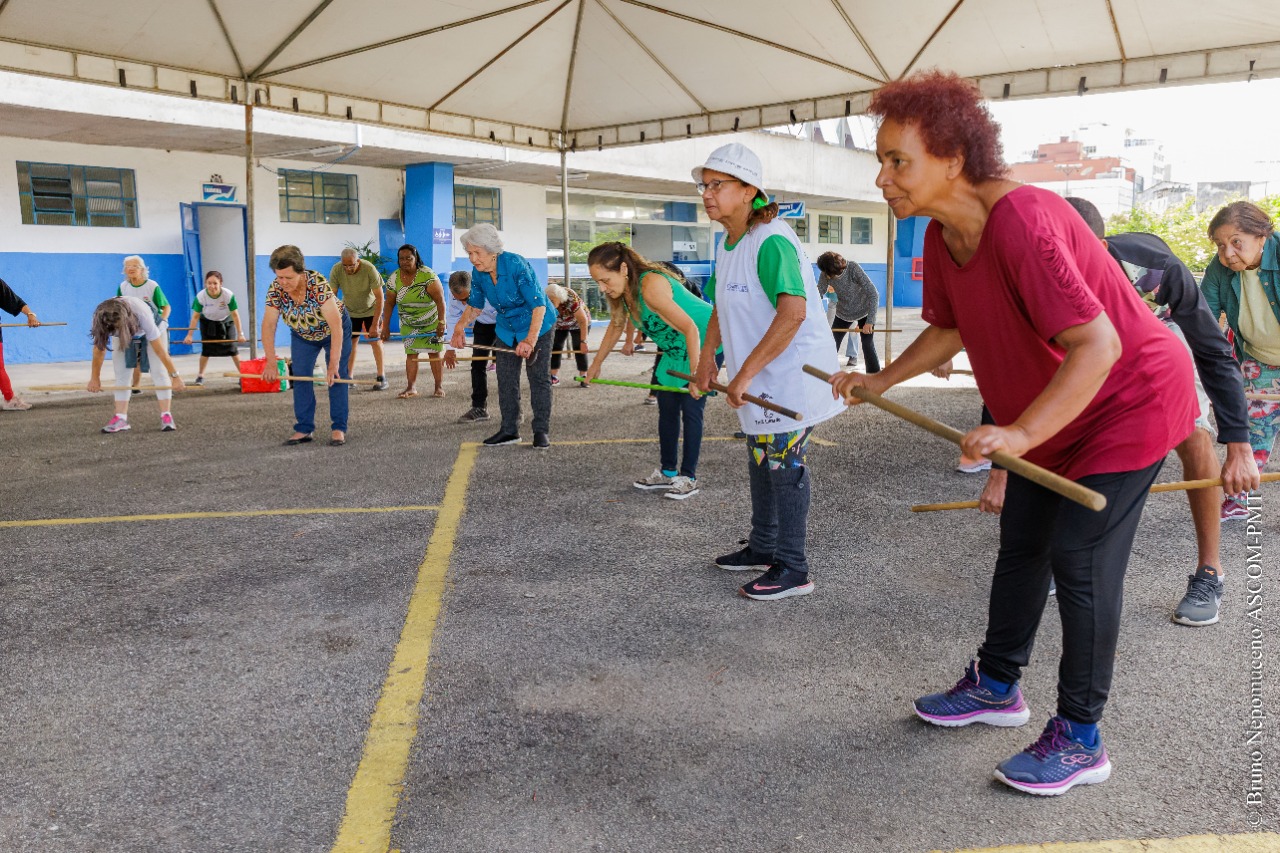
pixel 1055 763
pixel 970 702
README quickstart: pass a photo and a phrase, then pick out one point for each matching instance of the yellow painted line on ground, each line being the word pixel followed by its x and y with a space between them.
pixel 248 513
pixel 1250 842
pixel 375 790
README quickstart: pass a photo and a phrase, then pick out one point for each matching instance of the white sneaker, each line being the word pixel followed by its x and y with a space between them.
pixel 17 404
pixel 681 488
pixel 973 466
pixel 116 424
pixel 656 480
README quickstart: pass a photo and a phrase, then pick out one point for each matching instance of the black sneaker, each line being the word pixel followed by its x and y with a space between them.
pixel 473 415
pixel 500 438
pixel 541 441
pixel 199 381
pixel 744 560
pixel 778 582
pixel 1199 607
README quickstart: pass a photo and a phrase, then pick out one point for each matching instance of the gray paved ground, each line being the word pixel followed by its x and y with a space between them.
pixel 595 684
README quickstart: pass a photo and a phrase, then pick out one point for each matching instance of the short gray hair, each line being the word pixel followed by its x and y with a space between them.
pixel 556 293
pixel 349 253
pixel 146 273
pixel 482 236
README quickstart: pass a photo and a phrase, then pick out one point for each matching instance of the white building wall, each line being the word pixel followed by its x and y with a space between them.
pixel 166 179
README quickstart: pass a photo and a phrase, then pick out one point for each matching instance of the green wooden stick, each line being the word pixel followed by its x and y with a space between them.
pixel 622 384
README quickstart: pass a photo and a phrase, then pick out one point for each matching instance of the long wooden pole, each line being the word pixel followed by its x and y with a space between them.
pixel 1054 482
pixel 295 378
pixel 28 325
pixel 750 398
pixel 81 387
pixel 1178 486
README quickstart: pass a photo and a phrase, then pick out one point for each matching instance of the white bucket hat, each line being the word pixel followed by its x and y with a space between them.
pixel 737 160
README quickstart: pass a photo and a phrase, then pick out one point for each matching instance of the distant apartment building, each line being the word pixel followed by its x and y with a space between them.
pixel 1069 167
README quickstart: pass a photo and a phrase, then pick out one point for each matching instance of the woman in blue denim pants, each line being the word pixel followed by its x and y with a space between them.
pixel 319 323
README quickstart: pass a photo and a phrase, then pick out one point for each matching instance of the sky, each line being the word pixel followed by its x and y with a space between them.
pixel 1207 130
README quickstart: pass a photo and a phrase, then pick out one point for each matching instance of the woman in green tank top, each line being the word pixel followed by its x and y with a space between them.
pixel 676 321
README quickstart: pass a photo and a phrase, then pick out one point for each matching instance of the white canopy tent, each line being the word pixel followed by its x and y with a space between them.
pixel 570 74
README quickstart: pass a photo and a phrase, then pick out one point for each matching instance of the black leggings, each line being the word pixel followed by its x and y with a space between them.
pixel 869 357
pixel 1044 535
pixel 557 344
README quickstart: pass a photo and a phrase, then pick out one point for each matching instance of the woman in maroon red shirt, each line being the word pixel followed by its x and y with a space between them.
pixel 1081 378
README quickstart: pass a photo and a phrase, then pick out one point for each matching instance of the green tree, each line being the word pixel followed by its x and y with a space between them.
pixel 1183 228
pixel 579 249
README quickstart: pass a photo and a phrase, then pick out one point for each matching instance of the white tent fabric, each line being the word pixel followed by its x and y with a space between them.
pixel 599 73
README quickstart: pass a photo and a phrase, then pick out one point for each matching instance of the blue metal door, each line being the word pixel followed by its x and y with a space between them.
pixel 191 263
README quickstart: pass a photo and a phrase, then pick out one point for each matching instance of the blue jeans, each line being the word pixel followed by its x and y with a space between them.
pixel 780 496
pixel 304 393
pixel 673 409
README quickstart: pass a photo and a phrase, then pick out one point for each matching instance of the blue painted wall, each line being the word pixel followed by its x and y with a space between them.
pixel 66 288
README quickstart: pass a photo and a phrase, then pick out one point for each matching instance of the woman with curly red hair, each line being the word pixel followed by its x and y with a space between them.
pixel 1080 377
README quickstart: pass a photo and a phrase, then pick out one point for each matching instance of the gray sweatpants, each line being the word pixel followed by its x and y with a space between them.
pixel 537 369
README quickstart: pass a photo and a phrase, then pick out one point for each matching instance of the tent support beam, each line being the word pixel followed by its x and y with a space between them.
pixel 933 35
pixel 884 75
pixel 222 25
pixel 739 34
pixel 1115 28
pixel 409 37
pixel 500 54
pixel 564 139
pixel 250 250
pixel 888 288
pixel 564 208
pixel 652 57
pixel 315 13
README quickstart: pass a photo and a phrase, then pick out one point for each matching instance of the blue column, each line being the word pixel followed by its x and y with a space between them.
pixel 428 213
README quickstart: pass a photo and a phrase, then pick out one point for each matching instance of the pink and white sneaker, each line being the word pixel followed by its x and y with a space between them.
pixel 17 404
pixel 116 424
pixel 166 422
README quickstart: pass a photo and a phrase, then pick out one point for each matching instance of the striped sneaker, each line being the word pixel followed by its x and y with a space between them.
pixel 681 488
pixel 1055 763
pixel 656 480
pixel 116 424
pixel 970 702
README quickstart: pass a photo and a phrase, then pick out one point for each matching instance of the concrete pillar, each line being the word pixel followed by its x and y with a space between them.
pixel 428 214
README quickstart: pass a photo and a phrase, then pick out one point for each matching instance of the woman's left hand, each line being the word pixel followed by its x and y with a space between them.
pixel 333 373
pixel 524 349
pixel 31 319
pixel 987 439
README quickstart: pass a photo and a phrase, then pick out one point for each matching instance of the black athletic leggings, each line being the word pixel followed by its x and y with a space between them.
pixel 1044 535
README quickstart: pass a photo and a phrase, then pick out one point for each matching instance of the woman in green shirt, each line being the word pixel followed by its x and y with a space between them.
pixel 676 321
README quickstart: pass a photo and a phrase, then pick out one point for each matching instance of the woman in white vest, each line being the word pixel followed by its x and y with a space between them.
pixel 769 317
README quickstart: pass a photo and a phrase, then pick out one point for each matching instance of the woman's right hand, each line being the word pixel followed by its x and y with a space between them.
pixel 593 372
pixel 95 384
pixel 187 339
pixel 943 371
pixel 269 373
pixel 451 358
pixel 458 341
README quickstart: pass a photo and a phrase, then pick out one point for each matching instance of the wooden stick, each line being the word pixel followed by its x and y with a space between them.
pixel 874 330
pixel 217 341
pixel 295 378
pixel 493 348
pixel 184 328
pixel 1068 489
pixel 1269 397
pixel 642 385
pixel 28 325
pixel 750 398
pixel 81 387
pixel 1178 486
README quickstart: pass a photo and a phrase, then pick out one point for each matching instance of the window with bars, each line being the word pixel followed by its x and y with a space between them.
pixel 58 194
pixel 331 198
pixel 800 225
pixel 830 229
pixel 474 205
pixel 860 230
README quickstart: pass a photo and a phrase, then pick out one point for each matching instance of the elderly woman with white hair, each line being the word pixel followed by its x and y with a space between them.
pixel 572 323
pixel 525 319
pixel 138 284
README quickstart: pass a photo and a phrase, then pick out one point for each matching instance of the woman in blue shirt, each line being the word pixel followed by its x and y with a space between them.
pixel 525 320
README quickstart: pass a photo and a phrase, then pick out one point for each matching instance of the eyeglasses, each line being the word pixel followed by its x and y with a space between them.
pixel 714 186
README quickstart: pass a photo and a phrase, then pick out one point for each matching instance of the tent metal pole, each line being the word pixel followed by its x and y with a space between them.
pixel 888 284
pixel 564 206
pixel 249 249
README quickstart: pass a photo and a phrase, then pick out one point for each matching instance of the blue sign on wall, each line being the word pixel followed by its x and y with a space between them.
pixel 791 209
pixel 442 236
